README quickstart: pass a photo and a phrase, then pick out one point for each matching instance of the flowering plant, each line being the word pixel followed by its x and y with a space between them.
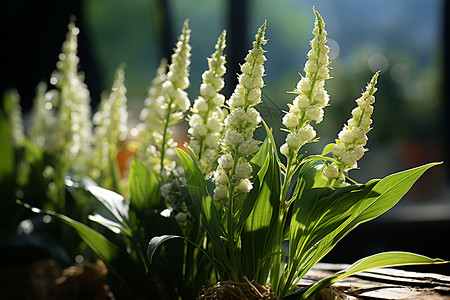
pixel 254 203
pixel 240 211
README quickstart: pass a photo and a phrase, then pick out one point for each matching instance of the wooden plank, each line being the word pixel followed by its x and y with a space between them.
pixel 380 284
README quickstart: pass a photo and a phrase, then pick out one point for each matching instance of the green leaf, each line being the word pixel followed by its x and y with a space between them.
pixel 118 261
pixel 200 204
pixel 381 260
pixel 156 241
pixel 114 203
pixel 7 165
pixel 327 149
pixel 382 196
pixel 260 235
pixel 144 188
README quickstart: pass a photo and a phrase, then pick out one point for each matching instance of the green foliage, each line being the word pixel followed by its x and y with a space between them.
pixel 381 260
pixel 169 235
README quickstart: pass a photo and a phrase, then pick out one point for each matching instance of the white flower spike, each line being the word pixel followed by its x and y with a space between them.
pixel 311 96
pixel 349 148
pixel 243 119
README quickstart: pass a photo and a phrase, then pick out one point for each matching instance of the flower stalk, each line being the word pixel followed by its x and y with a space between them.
pixel 165 107
pixel 309 103
pixel 111 128
pixel 234 171
pixel 207 113
pixel 349 148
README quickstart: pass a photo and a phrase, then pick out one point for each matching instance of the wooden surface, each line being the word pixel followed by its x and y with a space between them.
pixel 380 284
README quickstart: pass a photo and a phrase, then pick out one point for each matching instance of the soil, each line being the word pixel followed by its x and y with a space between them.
pixel 238 291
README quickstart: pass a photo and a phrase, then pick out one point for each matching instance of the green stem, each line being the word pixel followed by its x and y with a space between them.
pixel 230 225
pixel 164 139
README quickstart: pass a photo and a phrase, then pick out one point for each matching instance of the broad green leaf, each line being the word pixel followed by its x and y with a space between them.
pixel 381 260
pixel 156 241
pixel 118 261
pixel 144 188
pixel 261 232
pixel 327 149
pixel 199 203
pixel 108 223
pixel 382 197
pixel 113 202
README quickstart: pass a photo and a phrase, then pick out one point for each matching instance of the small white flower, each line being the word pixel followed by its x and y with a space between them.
pixel 290 120
pixel 220 176
pixel 243 170
pixel 207 90
pixel 201 105
pixel 245 186
pixel 284 149
pixel 198 130
pixel 226 161
pixel 294 140
pixel 315 113
pixel 220 192
pixel 307 133
pixel 301 101
pixel 254 96
pixel 214 124
pixel 331 171
pixel 232 138
pixel 218 100
pixel 253 116
pixel 248 147
pixel 304 85
pixel 338 149
pixel 236 100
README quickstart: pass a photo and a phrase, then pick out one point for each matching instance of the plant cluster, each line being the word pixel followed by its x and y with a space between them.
pixel 227 208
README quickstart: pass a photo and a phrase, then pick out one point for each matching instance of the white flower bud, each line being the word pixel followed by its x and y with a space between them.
pixel 218 100
pixel 243 170
pixel 253 116
pixel 315 113
pixel 220 192
pixel 294 140
pixel 284 149
pixel 220 176
pixel 201 105
pixel 307 133
pixel 248 147
pixel 304 85
pixel 245 186
pixel 331 171
pixel 207 90
pixel 214 124
pixel 226 161
pixel 338 149
pixel 301 101
pixel 236 100
pixel 232 138
pixel 290 120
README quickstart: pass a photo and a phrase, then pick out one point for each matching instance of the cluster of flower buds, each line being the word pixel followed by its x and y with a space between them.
pixel 166 105
pixel 17 128
pixel 73 124
pixel 349 148
pixel 43 117
pixel 152 114
pixel 111 125
pixel 234 171
pixel 207 118
pixel 311 96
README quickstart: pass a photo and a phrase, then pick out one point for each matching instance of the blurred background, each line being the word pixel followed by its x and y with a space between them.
pixel 406 39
